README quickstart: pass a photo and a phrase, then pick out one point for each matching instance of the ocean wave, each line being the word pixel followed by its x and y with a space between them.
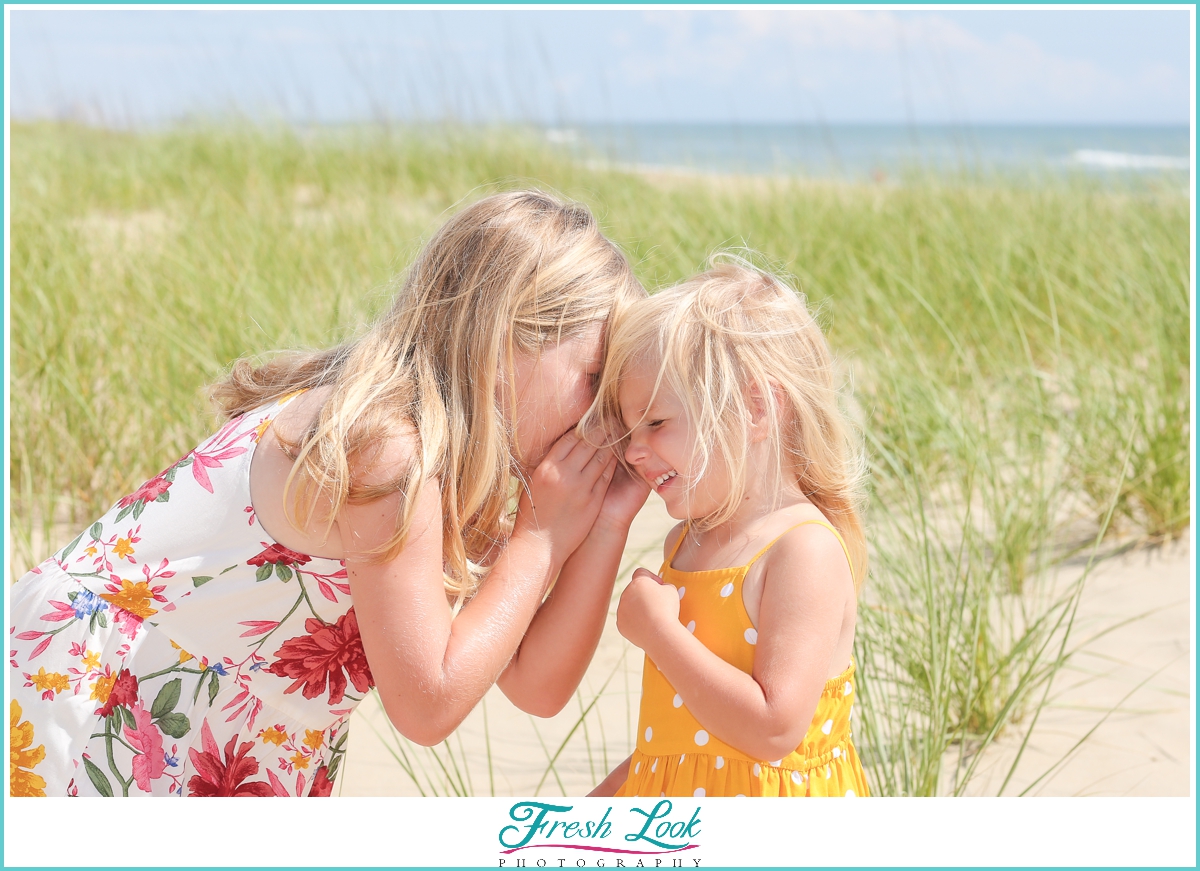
pixel 1121 160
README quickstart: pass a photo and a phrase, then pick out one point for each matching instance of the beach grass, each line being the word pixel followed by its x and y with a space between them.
pixel 1018 354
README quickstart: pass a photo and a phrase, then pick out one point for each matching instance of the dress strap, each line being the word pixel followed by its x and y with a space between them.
pixel 671 556
pixel 836 534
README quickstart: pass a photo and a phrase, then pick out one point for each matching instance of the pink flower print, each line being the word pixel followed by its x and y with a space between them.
pixel 151 761
pixel 148 492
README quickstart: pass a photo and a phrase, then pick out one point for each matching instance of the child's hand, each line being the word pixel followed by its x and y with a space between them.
pixel 646 607
pixel 625 497
pixel 565 493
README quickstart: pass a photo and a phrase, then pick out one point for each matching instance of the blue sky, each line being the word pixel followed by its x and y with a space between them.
pixel 565 66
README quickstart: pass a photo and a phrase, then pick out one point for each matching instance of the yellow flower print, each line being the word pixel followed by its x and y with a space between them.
pixel 261 428
pixel 300 760
pixel 273 735
pixel 91 551
pixel 52 680
pixel 184 656
pixel 23 757
pixel 134 598
pixel 103 687
pixel 314 738
pixel 91 660
pixel 123 548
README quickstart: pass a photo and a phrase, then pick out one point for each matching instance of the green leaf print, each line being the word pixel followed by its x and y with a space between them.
pixel 175 724
pixel 70 547
pixel 285 573
pixel 96 531
pixel 231 568
pixel 96 776
pixel 164 496
pixel 166 699
pixel 127 716
pixel 214 686
pixel 138 508
pixel 124 512
pixel 201 580
pixel 264 572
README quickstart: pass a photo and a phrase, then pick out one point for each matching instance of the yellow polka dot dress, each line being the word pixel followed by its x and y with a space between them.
pixel 676 756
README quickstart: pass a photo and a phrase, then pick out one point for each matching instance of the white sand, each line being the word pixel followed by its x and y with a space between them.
pixel 1143 748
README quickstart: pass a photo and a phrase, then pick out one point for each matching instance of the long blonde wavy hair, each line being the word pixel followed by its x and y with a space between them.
pixel 506 275
pixel 715 337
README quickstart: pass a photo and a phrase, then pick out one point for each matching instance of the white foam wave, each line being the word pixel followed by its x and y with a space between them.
pixel 1121 160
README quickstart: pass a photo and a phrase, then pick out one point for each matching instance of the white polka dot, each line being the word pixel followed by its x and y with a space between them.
pixel 757 769
pixel 701 738
pixel 837 752
pixel 826 772
pixel 751 635
pixel 637 768
pixel 848 688
pixel 681 758
pixel 691 627
pixel 740 795
pixel 850 713
pixel 720 763
pixel 797 777
pixel 654 767
pixel 662 795
pixel 827 728
pixel 650 733
pixel 699 793
pixel 727 590
pixel 850 793
pixel 775 764
pixel 677 701
pixel 682 590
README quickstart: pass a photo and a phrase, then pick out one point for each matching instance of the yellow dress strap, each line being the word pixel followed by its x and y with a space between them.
pixel 836 534
pixel 671 556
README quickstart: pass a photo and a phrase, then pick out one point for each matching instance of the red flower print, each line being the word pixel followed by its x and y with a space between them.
pixel 124 693
pixel 277 553
pixel 323 653
pixel 219 777
pixel 148 492
pixel 322 786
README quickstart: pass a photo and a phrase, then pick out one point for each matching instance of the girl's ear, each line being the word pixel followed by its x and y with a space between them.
pixel 759 417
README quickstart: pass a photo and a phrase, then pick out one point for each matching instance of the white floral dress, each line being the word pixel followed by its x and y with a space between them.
pixel 173 648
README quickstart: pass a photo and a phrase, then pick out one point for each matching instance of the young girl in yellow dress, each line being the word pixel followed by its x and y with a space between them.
pixel 723 392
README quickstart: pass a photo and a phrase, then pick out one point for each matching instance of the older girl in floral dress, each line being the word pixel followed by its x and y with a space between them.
pixel 347 527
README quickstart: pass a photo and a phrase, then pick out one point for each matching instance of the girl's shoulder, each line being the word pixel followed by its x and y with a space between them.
pixel 802 541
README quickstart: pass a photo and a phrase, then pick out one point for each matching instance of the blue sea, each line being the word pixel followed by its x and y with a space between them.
pixel 879 151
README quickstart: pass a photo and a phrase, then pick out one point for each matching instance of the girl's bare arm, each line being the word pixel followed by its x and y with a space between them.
pixel 430 669
pixel 562 638
pixel 764 714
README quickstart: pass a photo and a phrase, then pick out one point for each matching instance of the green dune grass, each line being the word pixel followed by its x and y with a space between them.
pixel 1019 357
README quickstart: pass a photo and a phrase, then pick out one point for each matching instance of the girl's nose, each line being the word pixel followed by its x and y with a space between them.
pixel 636 452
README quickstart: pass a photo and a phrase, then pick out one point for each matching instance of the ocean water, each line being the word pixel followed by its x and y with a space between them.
pixel 877 151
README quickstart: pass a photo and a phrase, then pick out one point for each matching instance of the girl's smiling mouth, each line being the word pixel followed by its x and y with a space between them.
pixel 662 479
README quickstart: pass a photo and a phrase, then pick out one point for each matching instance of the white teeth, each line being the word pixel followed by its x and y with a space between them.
pixel 661 479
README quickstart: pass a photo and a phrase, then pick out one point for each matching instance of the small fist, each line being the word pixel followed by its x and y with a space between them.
pixel 646 608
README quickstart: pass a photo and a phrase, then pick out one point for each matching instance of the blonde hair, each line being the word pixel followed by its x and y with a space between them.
pixel 714 339
pixel 506 275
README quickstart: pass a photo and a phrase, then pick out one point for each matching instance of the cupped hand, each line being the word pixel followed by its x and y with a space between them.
pixel 565 494
pixel 647 607
pixel 625 497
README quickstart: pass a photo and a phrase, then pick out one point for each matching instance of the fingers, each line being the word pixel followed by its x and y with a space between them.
pixel 640 572
pixel 566 443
